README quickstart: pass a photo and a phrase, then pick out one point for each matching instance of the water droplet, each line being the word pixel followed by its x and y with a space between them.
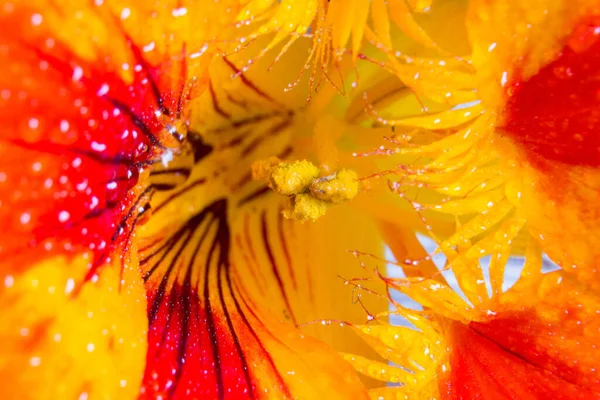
pixel 64 216
pixel 125 13
pixel 25 218
pixel 36 19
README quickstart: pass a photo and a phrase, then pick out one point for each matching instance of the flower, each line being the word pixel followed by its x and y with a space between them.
pixel 176 212
pixel 517 169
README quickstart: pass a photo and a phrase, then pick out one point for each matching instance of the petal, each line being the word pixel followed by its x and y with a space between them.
pixel 61 338
pixel 90 93
pixel 481 368
pixel 542 350
pixel 512 41
pixel 226 289
pixel 85 117
pixel 562 213
pixel 555 113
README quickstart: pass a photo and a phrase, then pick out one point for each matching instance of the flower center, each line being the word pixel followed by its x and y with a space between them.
pixel 205 212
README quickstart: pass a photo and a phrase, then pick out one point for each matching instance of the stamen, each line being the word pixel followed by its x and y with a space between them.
pixel 310 195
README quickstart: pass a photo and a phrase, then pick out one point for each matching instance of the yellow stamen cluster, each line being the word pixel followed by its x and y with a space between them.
pixel 304 207
pixel 310 195
pixel 292 178
pixel 336 188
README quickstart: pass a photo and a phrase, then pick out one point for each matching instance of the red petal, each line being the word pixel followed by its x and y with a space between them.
pixel 76 131
pixel 482 368
pixel 556 113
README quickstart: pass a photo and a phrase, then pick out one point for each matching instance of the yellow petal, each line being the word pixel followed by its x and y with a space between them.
pixel 61 337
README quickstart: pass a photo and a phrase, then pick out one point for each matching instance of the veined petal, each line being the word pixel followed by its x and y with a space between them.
pixel 225 291
pixel 539 350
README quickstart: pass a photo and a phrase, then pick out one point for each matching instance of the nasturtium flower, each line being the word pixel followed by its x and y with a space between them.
pixel 517 167
pixel 181 184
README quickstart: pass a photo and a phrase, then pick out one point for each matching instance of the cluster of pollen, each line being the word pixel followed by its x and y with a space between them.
pixel 310 195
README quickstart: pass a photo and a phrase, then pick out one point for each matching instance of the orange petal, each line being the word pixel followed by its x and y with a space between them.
pixel 512 41
pixel 543 346
pixel 562 213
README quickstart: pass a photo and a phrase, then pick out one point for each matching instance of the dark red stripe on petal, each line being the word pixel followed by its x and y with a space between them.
pixel 190 186
pixel 215 102
pixel 275 266
pixel 200 148
pixel 274 130
pixel 250 265
pixel 150 72
pixel 190 330
pixel 286 251
pixel 248 83
pixel 263 351
pixel 254 195
pixel 516 334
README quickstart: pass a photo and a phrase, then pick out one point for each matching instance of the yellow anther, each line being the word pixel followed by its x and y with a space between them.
pixel 304 207
pixel 310 196
pixel 292 178
pixel 261 170
pixel 336 188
